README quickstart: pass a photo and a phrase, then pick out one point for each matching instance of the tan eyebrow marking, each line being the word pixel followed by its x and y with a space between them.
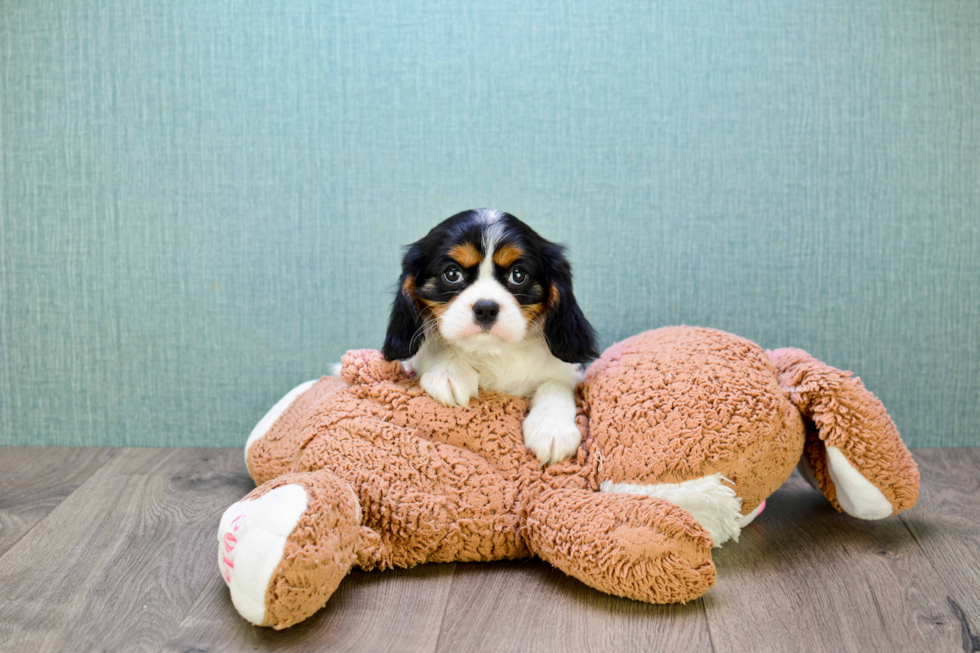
pixel 507 254
pixel 466 255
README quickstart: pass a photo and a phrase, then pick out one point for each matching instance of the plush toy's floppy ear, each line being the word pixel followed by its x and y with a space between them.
pixel 569 335
pixel 405 332
pixel 853 451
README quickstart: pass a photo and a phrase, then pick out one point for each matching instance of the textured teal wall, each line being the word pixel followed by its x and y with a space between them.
pixel 203 202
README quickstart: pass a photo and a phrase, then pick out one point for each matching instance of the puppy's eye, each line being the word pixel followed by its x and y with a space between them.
pixel 517 276
pixel 453 275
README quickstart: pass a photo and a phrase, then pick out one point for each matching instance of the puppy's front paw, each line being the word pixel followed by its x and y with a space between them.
pixel 451 385
pixel 550 434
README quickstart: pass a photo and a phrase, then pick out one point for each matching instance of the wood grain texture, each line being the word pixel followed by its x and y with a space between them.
pixel 805 576
pixel 34 480
pixel 528 606
pixel 397 610
pixel 126 562
pixel 946 524
pixel 119 562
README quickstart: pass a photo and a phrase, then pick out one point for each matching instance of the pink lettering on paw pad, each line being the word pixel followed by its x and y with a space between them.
pixel 227 563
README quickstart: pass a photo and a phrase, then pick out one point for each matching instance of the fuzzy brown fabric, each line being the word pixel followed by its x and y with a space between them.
pixel 273 455
pixel 688 403
pixel 638 547
pixel 437 484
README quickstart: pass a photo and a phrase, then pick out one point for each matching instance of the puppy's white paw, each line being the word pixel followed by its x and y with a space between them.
pixel 451 384
pixel 550 433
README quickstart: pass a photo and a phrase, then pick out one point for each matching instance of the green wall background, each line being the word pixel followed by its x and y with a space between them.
pixel 203 202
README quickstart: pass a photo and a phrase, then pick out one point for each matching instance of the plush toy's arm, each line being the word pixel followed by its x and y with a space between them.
pixel 853 451
pixel 641 548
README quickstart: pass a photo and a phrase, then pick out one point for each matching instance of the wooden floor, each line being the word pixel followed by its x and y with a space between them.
pixel 115 550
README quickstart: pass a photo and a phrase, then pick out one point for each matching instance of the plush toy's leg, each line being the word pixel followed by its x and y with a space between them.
pixel 639 547
pixel 853 452
pixel 711 500
pixel 273 443
pixel 422 501
pixel 285 547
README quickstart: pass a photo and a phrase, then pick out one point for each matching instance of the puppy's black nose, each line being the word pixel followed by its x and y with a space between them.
pixel 485 312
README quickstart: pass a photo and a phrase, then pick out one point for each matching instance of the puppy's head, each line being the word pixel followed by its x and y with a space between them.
pixel 483 278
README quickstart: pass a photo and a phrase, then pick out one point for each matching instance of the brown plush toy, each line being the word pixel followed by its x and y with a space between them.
pixel 686 431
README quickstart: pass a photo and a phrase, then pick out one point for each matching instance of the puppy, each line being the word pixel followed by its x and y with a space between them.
pixel 484 301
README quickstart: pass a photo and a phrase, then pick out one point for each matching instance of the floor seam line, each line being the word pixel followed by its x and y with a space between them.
pixel 445 610
pixel 114 452
pixel 183 617
pixel 707 624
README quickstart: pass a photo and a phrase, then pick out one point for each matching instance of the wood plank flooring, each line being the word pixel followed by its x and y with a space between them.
pixel 114 550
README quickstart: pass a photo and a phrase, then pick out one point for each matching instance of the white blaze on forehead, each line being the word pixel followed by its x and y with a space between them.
pixel 493 231
pixel 489 215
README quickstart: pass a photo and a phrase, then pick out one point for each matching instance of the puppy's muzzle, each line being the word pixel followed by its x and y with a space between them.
pixel 485 313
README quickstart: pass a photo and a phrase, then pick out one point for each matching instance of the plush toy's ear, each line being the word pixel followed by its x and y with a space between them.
pixel 569 335
pixel 405 326
pixel 853 450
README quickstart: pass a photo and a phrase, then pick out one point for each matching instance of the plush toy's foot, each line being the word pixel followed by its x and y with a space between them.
pixel 638 547
pixel 252 538
pixel 749 518
pixel 285 547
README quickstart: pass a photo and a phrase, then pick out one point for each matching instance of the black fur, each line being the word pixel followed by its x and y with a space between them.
pixel 569 335
pixel 405 333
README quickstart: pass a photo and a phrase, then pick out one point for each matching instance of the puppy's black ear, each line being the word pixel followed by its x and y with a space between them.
pixel 570 336
pixel 405 332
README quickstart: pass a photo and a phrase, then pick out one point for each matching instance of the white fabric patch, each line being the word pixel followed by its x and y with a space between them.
pixel 709 500
pixel 855 494
pixel 252 537
pixel 270 418
pixel 745 520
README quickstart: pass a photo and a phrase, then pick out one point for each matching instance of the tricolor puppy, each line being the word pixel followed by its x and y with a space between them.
pixel 484 301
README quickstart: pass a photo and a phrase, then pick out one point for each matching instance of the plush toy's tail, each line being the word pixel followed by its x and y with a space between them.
pixel 853 451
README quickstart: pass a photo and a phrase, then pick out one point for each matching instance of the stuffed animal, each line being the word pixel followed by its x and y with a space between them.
pixel 686 431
